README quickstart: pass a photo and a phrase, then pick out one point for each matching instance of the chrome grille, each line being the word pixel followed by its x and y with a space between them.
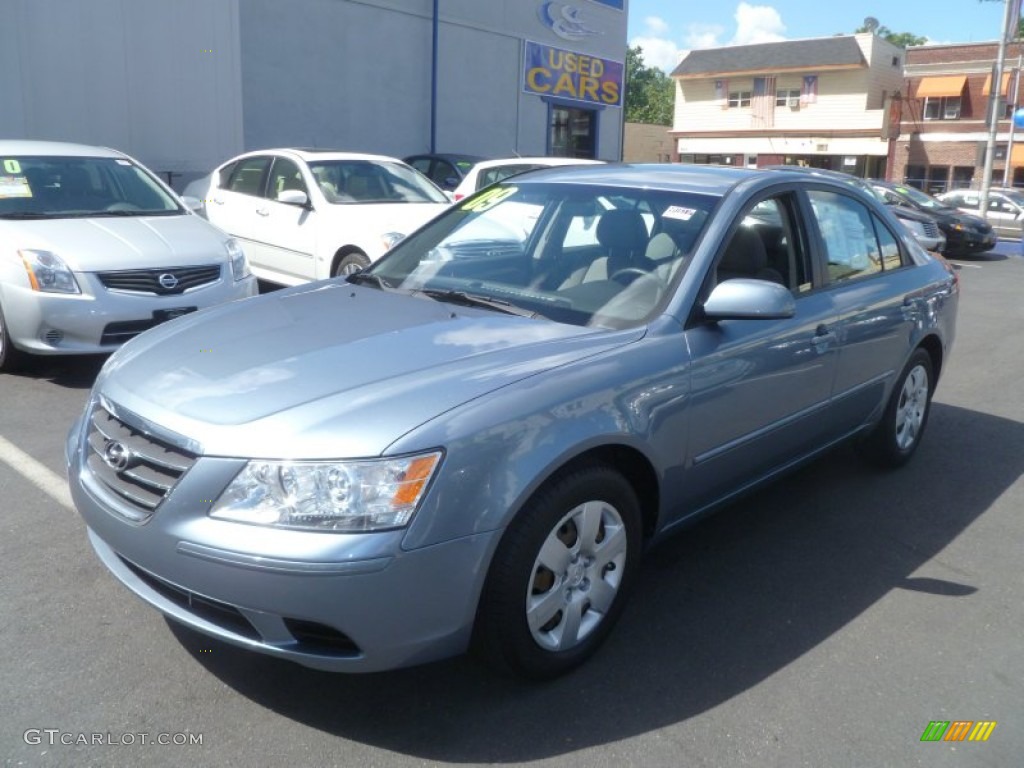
pixel 931 229
pixel 152 467
pixel 156 281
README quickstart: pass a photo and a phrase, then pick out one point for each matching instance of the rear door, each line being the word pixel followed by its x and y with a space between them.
pixel 232 206
pixel 870 284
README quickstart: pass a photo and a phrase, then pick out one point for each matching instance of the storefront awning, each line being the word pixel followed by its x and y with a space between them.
pixel 938 87
pixel 987 88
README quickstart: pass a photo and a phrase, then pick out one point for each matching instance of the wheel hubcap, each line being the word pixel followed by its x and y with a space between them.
pixel 910 409
pixel 576 576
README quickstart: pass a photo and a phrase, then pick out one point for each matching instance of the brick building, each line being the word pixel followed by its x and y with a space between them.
pixel 943 117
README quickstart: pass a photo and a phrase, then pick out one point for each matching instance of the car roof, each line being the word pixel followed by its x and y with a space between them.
pixel 312 154
pixel 669 177
pixel 54 149
pixel 447 156
pixel 547 161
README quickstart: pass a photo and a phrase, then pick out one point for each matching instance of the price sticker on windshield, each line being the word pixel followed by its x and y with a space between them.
pixel 14 186
pixel 12 166
pixel 488 199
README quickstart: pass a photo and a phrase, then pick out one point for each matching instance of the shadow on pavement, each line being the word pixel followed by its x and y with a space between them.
pixel 71 371
pixel 716 610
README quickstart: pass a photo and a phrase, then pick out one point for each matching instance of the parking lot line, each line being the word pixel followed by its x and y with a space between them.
pixel 49 482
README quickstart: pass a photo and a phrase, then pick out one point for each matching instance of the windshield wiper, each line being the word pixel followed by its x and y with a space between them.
pixel 27 215
pixel 368 278
pixel 474 300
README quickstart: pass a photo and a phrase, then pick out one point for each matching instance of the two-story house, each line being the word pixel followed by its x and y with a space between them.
pixel 821 102
pixel 944 117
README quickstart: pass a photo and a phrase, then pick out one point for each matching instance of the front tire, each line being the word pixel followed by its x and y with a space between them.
pixel 11 359
pixel 559 579
pixel 894 440
pixel 351 263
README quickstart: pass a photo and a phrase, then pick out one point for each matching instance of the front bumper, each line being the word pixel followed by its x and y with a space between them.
pixel 99 320
pixel 339 602
pixel 962 242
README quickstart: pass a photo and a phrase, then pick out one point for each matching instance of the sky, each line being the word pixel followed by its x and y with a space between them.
pixel 665 29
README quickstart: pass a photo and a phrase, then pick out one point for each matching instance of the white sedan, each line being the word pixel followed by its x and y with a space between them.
pixel 488 172
pixel 308 214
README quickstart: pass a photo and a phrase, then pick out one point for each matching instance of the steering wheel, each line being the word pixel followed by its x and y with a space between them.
pixel 627 275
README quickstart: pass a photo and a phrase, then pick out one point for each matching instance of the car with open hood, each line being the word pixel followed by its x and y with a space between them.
pixel 472 442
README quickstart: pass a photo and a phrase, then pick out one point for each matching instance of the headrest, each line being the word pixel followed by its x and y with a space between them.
pixel 746 252
pixel 622 230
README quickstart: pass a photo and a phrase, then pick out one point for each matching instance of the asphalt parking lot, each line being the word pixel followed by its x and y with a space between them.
pixel 825 621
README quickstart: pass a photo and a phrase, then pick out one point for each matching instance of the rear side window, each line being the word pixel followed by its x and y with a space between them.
pixel 247 176
pixel 857 243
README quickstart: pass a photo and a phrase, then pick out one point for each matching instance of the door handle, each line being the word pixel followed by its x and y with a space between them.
pixel 823 336
pixel 216 200
pixel 262 212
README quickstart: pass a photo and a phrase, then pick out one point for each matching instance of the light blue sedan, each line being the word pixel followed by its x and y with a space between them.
pixel 472 442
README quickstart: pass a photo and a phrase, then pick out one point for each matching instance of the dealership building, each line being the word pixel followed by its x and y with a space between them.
pixel 184 85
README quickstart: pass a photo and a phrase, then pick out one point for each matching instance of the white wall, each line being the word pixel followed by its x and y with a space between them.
pixel 134 76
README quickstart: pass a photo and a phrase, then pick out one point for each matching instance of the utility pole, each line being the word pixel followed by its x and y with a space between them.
pixel 993 109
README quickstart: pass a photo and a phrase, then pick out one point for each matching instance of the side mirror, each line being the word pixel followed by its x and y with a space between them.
pixel 293 197
pixel 192 203
pixel 747 299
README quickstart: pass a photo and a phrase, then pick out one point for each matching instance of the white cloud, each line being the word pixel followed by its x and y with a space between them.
pixel 757 24
pixel 703 35
pixel 656 26
pixel 658 52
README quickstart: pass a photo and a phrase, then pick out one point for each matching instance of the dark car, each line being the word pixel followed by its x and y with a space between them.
pixel 965 233
pixel 444 169
pixel 467 445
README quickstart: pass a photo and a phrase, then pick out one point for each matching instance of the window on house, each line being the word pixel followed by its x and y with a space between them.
pixel 739 98
pixel 963 175
pixel 787 97
pixel 944 108
pixel 916 176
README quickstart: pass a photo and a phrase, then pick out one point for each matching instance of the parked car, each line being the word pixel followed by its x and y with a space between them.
pixel 472 442
pixel 444 169
pixel 94 249
pixel 922 226
pixel 488 172
pixel 1005 208
pixel 965 234
pixel 307 214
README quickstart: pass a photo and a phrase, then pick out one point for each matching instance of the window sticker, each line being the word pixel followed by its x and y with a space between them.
pixel 678 212
pixel 488 199
pixel 12 166
pixel 14 186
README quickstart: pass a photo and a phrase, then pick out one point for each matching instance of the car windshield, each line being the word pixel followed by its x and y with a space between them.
pixel 579 254
pixel 69 187
pixel 367 181
pixel 919 198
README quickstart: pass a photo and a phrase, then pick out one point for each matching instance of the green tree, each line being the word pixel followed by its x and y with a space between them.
pixel 650 93
pixel 902 39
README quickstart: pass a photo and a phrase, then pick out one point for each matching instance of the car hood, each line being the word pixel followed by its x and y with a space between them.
pixel 329 369
pixel 130 242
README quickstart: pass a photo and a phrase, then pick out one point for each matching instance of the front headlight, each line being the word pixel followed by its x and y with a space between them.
pixel 390 239
pixel 239 264
pixel 48 273
pixel 345 496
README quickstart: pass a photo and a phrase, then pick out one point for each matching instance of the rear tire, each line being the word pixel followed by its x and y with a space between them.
pixel 893 441
pixel 560 576
pixel 11 359
pixel 351 263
